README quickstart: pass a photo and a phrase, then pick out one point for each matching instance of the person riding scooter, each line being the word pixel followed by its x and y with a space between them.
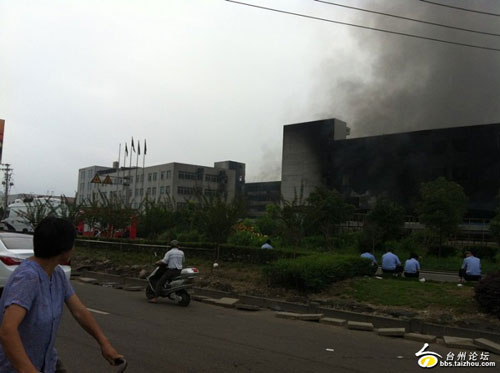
pixel 170 267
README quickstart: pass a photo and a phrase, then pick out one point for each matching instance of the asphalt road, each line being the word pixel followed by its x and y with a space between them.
pixel 207 338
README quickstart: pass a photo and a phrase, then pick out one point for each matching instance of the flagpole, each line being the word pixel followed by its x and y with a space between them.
pixel 119 154
pixel 118 170
pixel 137 165
pixel 143 163
pixel 125 153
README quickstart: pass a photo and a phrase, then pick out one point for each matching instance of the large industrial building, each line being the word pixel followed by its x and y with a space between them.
pixel 364 169
pixel 320 154
pixel 177 181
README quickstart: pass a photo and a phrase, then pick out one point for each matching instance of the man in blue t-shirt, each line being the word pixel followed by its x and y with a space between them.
pixel 368 255
pixel 471 268
pixel 412 266
pixel 391 263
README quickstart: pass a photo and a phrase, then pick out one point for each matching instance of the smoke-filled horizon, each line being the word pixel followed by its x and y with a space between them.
pixel 205 81
pixel 406 84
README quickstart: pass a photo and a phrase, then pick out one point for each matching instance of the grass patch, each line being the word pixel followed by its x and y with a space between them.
pixel 411 294
pixel 80 254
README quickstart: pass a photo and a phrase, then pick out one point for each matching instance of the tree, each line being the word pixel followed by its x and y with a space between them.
pixel 156 217
pixel 326 210
pixel 384 222
pixel 71 211
pixel 267 224
pixel 116 213
pixel 217 216
pixel 38 209
pixel 291 217
pixel 442 207
pixel 110 213
pixel 495 223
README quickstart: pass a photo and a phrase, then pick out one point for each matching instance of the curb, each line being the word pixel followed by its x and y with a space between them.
pixel 411 326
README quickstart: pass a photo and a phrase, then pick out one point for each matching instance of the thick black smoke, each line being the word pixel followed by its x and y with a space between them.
pixel 416 84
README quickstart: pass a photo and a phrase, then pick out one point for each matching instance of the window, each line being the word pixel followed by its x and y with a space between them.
pixel 154 191
pixel 167 189
pixel 168 174
pixel 136 192
pixel 149 177
pixel 162 175
pixel 188 175
pixel 210 192
pixel 185 190
pixel 148 191
pixel 155 174
pixel 211 178
pixel 142 192
pixel 162 190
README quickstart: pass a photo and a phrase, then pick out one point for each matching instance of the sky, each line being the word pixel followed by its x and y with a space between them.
pixel 210 80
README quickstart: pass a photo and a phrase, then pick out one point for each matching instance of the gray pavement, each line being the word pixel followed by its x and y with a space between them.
pixel 210 338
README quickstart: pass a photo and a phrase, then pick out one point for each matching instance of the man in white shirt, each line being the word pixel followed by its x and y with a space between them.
pixel 170 266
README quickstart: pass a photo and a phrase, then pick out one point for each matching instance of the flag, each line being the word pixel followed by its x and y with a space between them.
pixel 126 150
pixel 145 148
pixel 138 148
pixel 132 146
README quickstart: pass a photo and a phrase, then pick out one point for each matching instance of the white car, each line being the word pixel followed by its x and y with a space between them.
pixel 14 248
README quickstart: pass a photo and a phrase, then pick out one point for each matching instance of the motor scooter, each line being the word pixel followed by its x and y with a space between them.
pixel 176 289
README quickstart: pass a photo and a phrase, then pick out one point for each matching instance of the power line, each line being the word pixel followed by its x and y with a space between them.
pixel 364 27
pixel 407 18
pixel 464 9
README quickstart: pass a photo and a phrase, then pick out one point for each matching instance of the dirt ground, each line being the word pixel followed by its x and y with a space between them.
pixel 247 280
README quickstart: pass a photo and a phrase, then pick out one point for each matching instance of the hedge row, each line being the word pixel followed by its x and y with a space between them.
pixel 315 272
pixel 206 250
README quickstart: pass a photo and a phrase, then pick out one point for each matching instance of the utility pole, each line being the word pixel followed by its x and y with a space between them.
pixel 7 183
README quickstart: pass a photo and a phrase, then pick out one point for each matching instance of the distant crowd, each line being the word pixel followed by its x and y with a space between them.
pixel 469 271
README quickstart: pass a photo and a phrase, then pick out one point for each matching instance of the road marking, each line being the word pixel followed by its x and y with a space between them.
pixel 99 312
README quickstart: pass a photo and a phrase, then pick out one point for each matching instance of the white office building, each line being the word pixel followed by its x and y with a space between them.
pixel 177 181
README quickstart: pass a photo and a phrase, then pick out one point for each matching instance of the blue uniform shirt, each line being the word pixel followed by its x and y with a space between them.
pixel 412 266
pixel 370 256
pixel 390 261
pixel 472 266
pixel 43 298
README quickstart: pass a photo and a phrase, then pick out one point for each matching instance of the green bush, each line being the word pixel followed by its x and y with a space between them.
pixel 444 250
pixel 483 252
pixel 245 238
pixel 191 236
pixel 314 242
pixel 348 241
pixel 315 272
pixel 487 294
pixel 267 225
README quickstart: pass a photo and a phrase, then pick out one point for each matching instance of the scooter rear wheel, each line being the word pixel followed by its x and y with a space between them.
pixel 186 298
pixel 150 294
